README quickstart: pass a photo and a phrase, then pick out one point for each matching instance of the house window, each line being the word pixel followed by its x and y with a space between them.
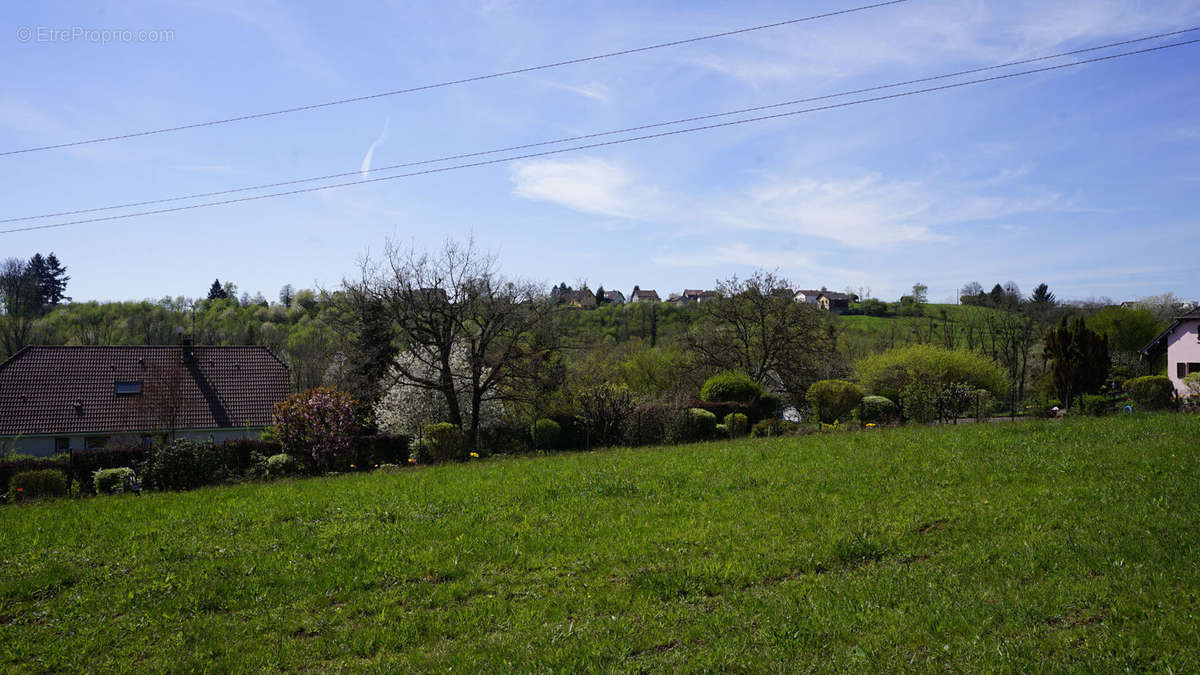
pixel 95 442
pixel 1193 368
pixel 128 388
pixel 62 444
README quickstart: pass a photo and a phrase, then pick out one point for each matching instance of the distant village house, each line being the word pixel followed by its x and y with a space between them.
pixel 639 295
pixel 826 300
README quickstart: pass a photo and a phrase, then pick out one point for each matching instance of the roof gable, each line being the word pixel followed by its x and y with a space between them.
pixel 1161 341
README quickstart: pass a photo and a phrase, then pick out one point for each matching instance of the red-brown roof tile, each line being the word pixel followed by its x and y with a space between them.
pixel 72 390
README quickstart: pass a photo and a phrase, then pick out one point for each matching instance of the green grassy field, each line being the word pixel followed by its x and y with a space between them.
pixel 1027 546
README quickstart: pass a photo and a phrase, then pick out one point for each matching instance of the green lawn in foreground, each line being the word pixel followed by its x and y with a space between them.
pixel 1021 546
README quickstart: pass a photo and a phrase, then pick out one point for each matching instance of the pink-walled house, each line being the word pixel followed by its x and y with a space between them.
pixel 1182 343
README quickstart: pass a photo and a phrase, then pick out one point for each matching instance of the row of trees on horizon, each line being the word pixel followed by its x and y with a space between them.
pixel 446 334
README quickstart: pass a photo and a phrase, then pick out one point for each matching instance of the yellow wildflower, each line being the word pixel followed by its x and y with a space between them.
pixel 475 455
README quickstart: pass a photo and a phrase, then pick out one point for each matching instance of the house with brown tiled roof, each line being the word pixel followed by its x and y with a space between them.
pixel 56 399
pixel 584 298
pixel 832 300
pixel 639 295
pixel 826 300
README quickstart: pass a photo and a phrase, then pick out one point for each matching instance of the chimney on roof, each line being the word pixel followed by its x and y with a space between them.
pixel 186 347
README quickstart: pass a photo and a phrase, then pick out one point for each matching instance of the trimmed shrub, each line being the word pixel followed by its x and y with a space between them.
pixel 88 462
pixel 244 451
pixel 722 430
pixel 730 386
pixel 775 427
pixel 1095 405
pixel 43 484
pixel 114 481
pixel 14 465
pixel 737 424
pixel 185 465
pixel 545 434
pixel 281 464
pixel 701 423
pixel 890 372
pixel 723 409
pixel 1153 392
pixel 769 405
pixel 443 442
pixel 834 400
pixel 877 410
pixel 22 457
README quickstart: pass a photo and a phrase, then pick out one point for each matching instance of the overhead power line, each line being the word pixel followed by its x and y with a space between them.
pixel 570 139
pixel 600 144
pixel 450 83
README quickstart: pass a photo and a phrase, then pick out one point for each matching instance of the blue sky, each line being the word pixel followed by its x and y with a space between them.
pixel 1087 178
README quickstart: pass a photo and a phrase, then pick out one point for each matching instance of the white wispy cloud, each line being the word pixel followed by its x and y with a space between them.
pixel 365 168
pixel 596 91
pixel 863 212
pixel 866 211
pixel 736 253
pixel 586 184
pixel 933 34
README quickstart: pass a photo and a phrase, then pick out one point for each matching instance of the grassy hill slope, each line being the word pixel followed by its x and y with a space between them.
pixel 1023 546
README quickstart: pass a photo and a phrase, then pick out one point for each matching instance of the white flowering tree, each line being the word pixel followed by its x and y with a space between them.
pixel 457 327
pixel 407 405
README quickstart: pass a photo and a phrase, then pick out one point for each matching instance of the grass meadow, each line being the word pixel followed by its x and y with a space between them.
pixel 1026 546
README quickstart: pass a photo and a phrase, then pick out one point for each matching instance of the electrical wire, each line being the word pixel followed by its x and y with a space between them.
pixel 607 143
pixel 512 148
pixel 450 83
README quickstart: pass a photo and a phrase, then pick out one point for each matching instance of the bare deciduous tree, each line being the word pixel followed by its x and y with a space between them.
pixel 463 327
pixel 754 327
